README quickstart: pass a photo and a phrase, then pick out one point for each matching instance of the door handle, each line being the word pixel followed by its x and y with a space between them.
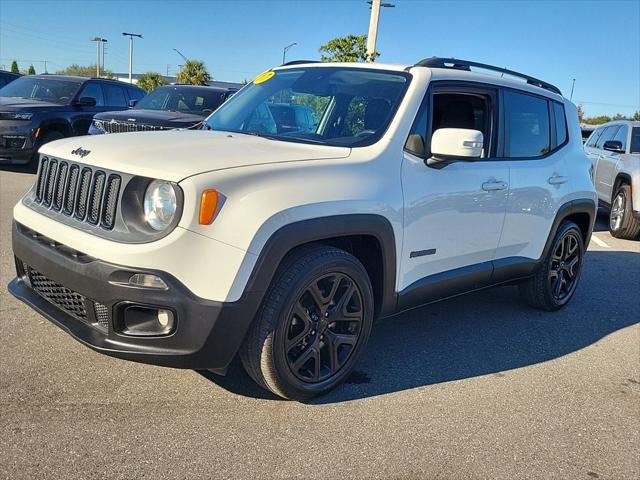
pixel 493 186
pixel 557 179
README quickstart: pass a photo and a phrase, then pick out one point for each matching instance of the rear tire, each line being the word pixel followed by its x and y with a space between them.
pixel 622 223
pixel 313 324
pixel 555 282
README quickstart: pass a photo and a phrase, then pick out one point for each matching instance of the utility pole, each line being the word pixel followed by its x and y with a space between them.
pixel 98 41
pixel 285 50
pixel 373 26
pixel 131 35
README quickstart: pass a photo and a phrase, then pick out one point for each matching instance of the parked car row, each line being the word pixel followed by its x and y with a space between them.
pixel 37 109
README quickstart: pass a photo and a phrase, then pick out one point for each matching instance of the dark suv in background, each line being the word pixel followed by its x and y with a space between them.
pixel 37 109
pixel 166 108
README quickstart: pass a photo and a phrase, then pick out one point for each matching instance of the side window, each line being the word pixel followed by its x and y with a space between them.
pixel 621 136
pixel 635 140
pixel 607 135
pixel 135 94
pixel 561 123
pixel 593 139
pixel 527 122
pixel 115 96
pixel 93 90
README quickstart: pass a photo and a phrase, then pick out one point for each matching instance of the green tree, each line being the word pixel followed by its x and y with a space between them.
pixel 636 116
pixel 619 116
pixel 31 71
pixel 194 72
pixel 14 67
pixel 83 71
pixel 352 48
pixel 597 120
pixel 150 81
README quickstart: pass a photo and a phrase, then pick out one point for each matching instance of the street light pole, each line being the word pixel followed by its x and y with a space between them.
pixel 98 41
pixel 285 50
pixel 179 53
pixel 131 35
pixel 572 85
pixel 373 26
pixel 103 41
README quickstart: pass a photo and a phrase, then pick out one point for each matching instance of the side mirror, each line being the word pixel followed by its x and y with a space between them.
pixel 133 103
pixel 455 144
pixel 613 146
pixel 86 102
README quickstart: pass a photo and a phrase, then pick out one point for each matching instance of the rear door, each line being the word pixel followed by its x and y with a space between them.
pixel 536 134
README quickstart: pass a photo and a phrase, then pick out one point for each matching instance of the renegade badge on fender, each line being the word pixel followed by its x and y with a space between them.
pixel 280 241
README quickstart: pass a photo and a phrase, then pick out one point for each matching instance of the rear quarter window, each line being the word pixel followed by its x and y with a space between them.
pixel 528 125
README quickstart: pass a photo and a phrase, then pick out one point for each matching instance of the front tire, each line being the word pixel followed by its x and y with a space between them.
pixel 313 325
pixel 555 282
pixel 622 223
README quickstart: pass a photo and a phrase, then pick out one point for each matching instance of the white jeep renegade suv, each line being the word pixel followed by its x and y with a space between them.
pixel 282 244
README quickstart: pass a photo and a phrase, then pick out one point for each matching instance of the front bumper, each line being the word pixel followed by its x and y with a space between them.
pixel 17 142
pixel 207 333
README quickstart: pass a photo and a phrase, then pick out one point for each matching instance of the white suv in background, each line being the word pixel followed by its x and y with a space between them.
pixel 614 150
pixel 419 182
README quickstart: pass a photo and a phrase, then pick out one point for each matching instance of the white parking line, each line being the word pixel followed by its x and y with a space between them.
pixel 599 242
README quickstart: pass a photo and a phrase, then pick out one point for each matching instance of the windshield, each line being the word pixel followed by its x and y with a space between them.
pixel 337 106
pixel 48 89
pixel 198 101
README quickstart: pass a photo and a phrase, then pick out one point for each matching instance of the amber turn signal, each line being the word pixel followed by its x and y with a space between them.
pixel 208 206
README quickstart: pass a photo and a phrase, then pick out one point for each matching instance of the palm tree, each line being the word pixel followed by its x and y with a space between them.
pixel 150 81
pixel 194 72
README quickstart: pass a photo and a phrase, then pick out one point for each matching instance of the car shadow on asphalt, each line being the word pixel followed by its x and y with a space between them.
pixel 30 168
pixel 484 333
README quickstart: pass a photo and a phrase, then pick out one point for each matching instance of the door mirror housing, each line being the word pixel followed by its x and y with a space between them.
pixel 133 103
pixel 613 146
pixel 455 144
pixel 86 102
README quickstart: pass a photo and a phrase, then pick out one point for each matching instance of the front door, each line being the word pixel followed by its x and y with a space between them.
pixel 453 214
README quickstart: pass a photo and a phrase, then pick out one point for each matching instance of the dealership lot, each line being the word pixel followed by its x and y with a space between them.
pixel 475 387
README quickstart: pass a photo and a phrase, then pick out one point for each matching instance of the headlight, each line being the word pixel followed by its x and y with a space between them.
pixel 159 204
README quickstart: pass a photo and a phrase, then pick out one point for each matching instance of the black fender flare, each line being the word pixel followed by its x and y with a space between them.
pixel 293 235
pixel 585 205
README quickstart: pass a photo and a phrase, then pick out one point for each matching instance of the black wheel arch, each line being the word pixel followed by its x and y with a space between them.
pixel 582 212
pixel 371 231
pixel 621 178
pixel 60 125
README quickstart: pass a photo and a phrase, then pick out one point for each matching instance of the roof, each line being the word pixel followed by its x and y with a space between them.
pixel 447 73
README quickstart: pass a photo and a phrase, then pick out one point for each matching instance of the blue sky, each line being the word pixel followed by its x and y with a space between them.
pixel 595 42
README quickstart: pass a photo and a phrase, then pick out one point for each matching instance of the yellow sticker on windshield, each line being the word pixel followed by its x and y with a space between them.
pixel 264 76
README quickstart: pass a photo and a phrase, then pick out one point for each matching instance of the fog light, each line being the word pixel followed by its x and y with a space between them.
pixel 165 318
pixel 147 281
pixel 142 321
pixel 14 142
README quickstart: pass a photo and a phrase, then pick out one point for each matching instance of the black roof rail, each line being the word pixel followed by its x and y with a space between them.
pixel 299 62
pixel 438 62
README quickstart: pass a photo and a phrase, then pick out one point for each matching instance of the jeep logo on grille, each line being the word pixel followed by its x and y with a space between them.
pixel 81 152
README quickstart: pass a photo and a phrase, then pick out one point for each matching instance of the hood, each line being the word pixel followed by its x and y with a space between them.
pixel 152 117
pixel 13 104
pixel 177 154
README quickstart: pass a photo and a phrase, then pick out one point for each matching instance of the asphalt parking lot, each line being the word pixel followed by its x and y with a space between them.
pixel 476 387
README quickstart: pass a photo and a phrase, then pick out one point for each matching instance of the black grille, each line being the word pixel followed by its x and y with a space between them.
pixel 113 126
pixel 88 195
pixel 71 302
